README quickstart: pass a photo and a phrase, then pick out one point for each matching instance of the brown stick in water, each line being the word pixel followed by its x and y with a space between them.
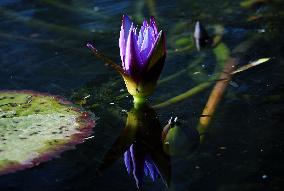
pixel 216 96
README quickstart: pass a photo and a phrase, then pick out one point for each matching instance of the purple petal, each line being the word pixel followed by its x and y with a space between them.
pixel 126 24
pixel 137 50
pixel 122 45
pixel 140 37
pixel 130 53
pixel 142 34
pixel 160 39
pixel 146 170
pixel 154 25
pixel 127 161
pixel 147 44
pixel 152 169
pixel 145 23
pixel 132 61
pixel 124 32
pixel 131 150
pixel 138 164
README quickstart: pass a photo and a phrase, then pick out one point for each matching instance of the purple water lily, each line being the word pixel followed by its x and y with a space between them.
pixel 138 162
pixel 136 48
pixel 142 54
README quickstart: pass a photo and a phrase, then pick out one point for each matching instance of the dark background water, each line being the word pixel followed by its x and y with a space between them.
pixel 42 48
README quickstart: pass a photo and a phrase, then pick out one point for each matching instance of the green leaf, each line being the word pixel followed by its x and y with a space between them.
pixel 35 127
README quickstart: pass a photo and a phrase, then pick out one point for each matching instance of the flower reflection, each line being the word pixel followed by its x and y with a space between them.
pixel 139 162
pixel 141 146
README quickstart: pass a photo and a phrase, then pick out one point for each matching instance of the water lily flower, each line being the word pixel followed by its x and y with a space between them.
pixel 142 53
pixel 139 162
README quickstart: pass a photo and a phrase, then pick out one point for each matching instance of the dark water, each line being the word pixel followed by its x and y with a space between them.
pixel 42 48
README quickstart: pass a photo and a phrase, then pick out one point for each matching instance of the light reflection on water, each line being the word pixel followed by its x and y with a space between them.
pixel 42 47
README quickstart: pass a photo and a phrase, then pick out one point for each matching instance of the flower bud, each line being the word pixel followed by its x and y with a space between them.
pixel 179 140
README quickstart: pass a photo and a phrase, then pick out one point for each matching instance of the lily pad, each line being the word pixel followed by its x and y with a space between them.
pixel 35 127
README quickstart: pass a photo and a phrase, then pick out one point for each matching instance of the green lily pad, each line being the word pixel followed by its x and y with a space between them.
pixel 35 127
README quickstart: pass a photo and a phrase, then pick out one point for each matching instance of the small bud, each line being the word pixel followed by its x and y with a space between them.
pixel 179 140
pixel 201 37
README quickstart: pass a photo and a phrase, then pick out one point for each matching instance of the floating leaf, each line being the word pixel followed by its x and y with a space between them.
pixel 35 127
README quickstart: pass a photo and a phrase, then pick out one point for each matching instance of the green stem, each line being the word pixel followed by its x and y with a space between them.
pixel 138 101
pixel 197 89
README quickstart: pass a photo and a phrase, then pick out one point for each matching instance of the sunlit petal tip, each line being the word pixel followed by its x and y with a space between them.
pixel 161 38
pixel 126 26
pixel 129 56
pixel 153 24
pixel 126 22
pixel 153 20
pixel 145 23
pixel 125 18
pixel 124 32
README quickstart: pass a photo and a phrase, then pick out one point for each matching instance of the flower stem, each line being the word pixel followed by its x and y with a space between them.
pixel 138 101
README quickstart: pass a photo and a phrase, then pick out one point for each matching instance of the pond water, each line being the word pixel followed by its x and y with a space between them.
pixel 43 48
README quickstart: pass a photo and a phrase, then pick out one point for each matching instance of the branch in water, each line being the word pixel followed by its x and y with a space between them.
pixel 216 96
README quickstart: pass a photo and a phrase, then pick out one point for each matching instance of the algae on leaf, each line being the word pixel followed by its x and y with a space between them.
pixel 35 127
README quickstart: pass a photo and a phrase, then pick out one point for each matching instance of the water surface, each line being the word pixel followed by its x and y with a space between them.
pixel 42 48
